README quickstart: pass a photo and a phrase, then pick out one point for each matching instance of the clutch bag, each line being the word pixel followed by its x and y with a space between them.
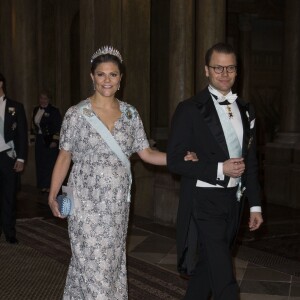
pixel 65 205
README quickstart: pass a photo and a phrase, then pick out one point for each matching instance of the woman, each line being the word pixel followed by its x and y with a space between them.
pixel 46 123
pixel 101 182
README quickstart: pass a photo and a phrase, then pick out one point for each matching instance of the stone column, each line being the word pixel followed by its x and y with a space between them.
pixel 24 48
pixel 244 70
pixel 24 66
pixel 67 34
pixel 210 29
pixel 136 52
pixel 290 125
pixel 6 42
pixel 87 38
pixel 181 61
pixel 282 167
pixel 181 86
pixel 136 91
pixel 100 24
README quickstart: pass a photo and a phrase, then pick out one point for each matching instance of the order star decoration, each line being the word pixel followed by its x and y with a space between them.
pixel 229 111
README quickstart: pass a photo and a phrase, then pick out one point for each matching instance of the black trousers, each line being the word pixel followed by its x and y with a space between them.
pixel 8 191
pixel 45 159
pixel 216 213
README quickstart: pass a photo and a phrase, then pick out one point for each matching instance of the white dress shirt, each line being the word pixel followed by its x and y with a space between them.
pixel 237 124
pixel 3 145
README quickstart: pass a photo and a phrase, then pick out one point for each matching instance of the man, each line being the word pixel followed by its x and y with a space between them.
pixel 13 152
pixel 46 123
pixel 222 134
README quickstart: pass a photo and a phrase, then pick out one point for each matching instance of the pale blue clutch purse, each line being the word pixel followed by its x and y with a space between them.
pixel 65 205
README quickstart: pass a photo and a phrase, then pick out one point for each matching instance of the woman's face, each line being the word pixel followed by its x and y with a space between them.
pixel 106 79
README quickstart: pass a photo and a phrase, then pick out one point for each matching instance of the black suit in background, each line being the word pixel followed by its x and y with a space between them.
pixel 208 218
pixel 15 129
pixel 46 143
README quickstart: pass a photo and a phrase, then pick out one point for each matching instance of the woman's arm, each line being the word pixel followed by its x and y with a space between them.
pixel 155 157
pixel 60 171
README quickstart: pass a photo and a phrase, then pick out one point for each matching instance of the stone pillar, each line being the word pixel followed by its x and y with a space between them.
pixel 24 48
pixel 87 38
pixel 65 94
pixel 244 70
pixel 136 91
pixel 181 61
pixel 210 29
pixel 282 167
pixel 181 86
pixel 100 24
pixel 6 42
pixel 25 67
pixel 136 52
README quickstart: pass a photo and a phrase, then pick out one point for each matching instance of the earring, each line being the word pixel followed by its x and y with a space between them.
pixel 119 87
pixel 94 85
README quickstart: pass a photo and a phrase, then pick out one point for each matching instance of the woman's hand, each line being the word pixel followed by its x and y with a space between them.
pixel 53 145
pixel 58 175
pixel 54 207
pixel 191 156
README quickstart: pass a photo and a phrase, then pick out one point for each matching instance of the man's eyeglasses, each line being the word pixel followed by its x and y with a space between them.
pixel 220 69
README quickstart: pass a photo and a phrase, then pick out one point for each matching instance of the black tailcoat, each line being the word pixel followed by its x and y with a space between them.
pixel 50 124
pixel 45 156
pixel 196 127
pixel 15 129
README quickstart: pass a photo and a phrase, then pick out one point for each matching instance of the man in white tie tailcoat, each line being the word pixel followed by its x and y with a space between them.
pixel 13 153
pixel 220 128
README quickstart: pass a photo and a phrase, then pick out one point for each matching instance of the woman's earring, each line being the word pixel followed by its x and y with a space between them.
pixel 119 86
pixel 94 85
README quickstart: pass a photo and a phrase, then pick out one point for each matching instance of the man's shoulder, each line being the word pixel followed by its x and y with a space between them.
pixel 243 102
pixel 14 102
pixel 52 108
pixel 197 99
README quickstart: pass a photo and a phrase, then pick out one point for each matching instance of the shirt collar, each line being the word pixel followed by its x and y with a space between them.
pixel 212 90
pixel 2 98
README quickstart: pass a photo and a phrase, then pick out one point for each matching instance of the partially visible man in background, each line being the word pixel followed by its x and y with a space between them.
pixel 13 152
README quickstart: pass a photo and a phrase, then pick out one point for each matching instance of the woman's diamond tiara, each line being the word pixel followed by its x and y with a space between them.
pixel 107 50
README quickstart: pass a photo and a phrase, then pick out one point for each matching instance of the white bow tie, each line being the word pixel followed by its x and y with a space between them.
pixel 229 98
pixel 221 98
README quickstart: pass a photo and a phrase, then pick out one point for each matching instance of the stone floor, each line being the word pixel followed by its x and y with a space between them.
pixel 267 263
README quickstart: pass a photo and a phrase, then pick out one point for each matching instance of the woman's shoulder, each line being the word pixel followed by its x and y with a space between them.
pixel 75 109
pixel 129 110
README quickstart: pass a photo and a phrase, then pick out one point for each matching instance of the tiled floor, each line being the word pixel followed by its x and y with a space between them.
pixel 256 282
pixel 155 244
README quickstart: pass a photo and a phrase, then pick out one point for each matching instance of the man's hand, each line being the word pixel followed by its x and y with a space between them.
pixel 255 220
pixel 234 167
pixel 19 166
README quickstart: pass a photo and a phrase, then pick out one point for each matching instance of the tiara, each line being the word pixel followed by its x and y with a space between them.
pixel 107 50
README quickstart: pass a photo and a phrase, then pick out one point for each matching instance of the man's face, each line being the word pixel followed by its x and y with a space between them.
pixel 44 100
pixel 225 80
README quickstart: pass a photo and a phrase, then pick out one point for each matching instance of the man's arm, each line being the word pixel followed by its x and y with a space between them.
pixel 253 191
pixel 255 220
pixel 181 140
pixel 22 135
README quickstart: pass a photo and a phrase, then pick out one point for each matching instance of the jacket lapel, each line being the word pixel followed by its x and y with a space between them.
pixel 246 125
pixel 7 117
pixel 210 115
